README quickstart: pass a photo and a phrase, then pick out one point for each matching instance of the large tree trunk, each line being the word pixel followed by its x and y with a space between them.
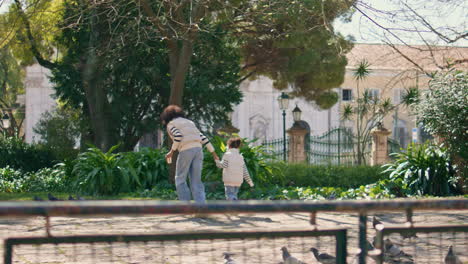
pixel 101 122
pixel 180 55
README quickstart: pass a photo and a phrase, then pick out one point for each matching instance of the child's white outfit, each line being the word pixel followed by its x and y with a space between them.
pixel 234 172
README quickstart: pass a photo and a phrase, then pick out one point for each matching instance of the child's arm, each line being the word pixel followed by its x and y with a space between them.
pixel 222 164
pixel 247 176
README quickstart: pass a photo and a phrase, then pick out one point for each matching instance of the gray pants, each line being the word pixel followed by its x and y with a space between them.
pixel 189 162
pixel 231 192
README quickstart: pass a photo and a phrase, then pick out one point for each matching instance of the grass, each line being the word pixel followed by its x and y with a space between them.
pixel 29 196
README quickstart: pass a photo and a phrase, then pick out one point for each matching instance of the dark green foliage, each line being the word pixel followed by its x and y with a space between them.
pixel 302 175
pixel 59 131
pixel 43 180
pixel 132 77
pixel 104 173
pixel 17 154
pixel 422 170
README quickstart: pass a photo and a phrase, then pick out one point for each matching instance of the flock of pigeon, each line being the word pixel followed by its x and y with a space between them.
pixel 53 198
pixel 392 254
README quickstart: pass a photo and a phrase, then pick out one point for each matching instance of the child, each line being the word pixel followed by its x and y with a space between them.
pixel 234 169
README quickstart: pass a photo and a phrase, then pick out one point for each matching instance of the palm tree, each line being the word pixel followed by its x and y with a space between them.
pixel 369 111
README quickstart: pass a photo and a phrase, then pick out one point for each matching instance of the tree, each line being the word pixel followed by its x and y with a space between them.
pixel 292 42
pixel 59 130
pixel 11 85
pixel 130 83
pixel 443 111
pixel 368 111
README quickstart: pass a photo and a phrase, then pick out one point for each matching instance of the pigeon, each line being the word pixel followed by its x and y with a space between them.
pixel 80 198
pixel 451 257
pixel 323 257
pixel 394 251
pixel 37 198
pixel 228 259
pixel 52 198
pixel 288 259
pixel 376 222
pixel 70 198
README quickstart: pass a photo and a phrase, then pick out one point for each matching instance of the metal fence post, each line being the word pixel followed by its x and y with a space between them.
pixel 341 247
pixel 362 237
pixel 8 253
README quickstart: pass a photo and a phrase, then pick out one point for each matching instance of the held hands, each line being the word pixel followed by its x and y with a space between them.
pixel 215 156
pixel 169 156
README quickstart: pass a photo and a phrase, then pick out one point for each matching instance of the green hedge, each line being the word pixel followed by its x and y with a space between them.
pixel 17 154
pixel 305 175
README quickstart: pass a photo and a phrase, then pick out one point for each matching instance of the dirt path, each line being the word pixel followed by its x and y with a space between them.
pixel 430 248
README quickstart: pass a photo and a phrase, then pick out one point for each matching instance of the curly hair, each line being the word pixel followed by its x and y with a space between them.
pixel 234 142
pixel 171 112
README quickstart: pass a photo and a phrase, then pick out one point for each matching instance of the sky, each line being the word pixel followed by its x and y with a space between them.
pixel 438 12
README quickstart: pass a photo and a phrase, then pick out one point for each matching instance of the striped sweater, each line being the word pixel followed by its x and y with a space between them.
pixel 234 168
pixel 185 135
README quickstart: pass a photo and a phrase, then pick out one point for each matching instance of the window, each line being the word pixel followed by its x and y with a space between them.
pixel 374 93
pixel 346 95
pixel 398 95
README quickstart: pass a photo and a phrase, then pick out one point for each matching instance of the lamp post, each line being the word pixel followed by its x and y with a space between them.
pixel 297 114
pixel 283 101
pixel 6 121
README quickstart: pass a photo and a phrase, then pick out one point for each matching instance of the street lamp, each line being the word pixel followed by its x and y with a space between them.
pixel 6 121
pixel 283 101
pixel 297 114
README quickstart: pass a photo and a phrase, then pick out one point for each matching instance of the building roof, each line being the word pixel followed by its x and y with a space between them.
pixel 385 57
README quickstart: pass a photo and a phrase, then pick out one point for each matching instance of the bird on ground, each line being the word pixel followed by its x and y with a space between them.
pixel 288 259
pixel 228 259
pixel 37 198
pixel 80 198
pixel 394 251
pixel 52 198
pixel 70 198
pixel 323 257
pixel 451 257
pixel 376 222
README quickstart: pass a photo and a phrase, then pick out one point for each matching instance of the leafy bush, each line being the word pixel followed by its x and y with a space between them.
pixel 96 172
pixel 303 175
pixel 148 166
pixel 44 180
pixel 443 110
pixel 423 170
pixel 22 156
pixel 59 131
pixel 256 158
pixel 11 180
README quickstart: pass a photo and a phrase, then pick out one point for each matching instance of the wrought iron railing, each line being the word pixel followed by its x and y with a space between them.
pixel 275 148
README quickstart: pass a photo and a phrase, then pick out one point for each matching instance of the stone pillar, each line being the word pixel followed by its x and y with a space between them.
pixel 379 154
pixel 297 152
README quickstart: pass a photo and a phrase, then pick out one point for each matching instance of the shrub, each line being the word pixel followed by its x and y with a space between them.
pixel 59 131
pixel 96 172
pixel 148 167
pixel 43 180
pixel 22 156
pixel 11 180
pixel 303 175
pixel 422 170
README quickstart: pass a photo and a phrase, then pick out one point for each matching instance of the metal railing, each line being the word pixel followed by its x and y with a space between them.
pixel 115 208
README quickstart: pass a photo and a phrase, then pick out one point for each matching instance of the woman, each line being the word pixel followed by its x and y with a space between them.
pixel 188 140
